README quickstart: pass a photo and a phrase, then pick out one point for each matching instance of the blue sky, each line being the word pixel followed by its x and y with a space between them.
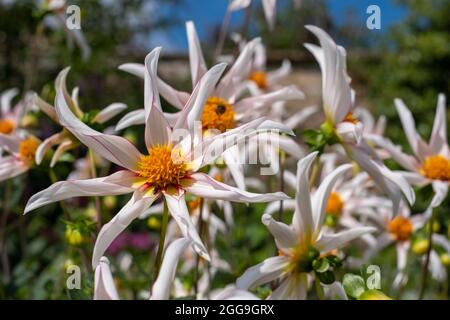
pixel 208 13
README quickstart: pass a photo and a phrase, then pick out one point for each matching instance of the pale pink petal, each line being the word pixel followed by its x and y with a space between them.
pixel 320 198
pixel 11 167
pixel 104 286
pixel 206 187
pixel 264 272
pixel 196 59
pixel 409 126
pixel 65 146
pixel 115 184
pixel 157 129
pixel 285 94
pixel 438 138
pixel 45 107
pixel 284 235
pixel 328 242
pixel 132 118
pixel 269 7
pixel 273 77
pixel 110 112
pixel 303 221
pixel 114 148
pixel 236 5
pixel 161 287
pixel 46 145
pixel 10 143
pixel 440 193
pixel 5 100
pixel 179 211
pixel 121 220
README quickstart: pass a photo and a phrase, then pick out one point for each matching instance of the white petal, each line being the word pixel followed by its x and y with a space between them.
pixel 46 145
pixel 328 242
pixel 235 166
pixel 269 7
pixel 409 126
pixel 196 59
pixel 6 98
pixel 440 193
pixel 109 112
pixel 161 287
pixel 157 129
pixel 104 287
pixel 236 5
pixel 264 272
pixel 277 75
pixel 303 221
pixel 439 135
pixel 283 234
pixel 45 107
pixel 206 187
pixel 65 146
pixel 132 118
pixel 179 211
pixel 114 148
pixel 121 220
pixel 285 94
pixel 115 184
pixel 322 194
pixel 11 167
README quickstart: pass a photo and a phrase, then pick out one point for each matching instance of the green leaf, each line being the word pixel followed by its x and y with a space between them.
pixel 354 285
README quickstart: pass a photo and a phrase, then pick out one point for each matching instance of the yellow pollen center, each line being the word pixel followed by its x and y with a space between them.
pixel 260 78
pixel 27 149
pixel 6 126
pixel 218 114
pixel 400 228
pixel 334 204
pixel 162 167
pixel 436 168
pixel 350 118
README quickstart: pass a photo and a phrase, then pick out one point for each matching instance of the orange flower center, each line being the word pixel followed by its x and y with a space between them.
pixel 218 114
pixel 162 167
pixel 6 126
pixel 436 168
pixel 350 118
pixel 400 228
pixel 260 78
pixel 334 204
pixel 27 149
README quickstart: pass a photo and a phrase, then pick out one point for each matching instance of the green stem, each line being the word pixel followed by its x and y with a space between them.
pixel 200 232
pixel 319 289
pixel 427 259
pixel 162 240
pixel 98 207
pixel 282 160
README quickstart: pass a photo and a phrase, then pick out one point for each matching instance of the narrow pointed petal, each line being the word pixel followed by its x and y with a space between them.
pixel 116 149
pixel 121 220
pixel 157 129
pixel 110 112
pixel 322 194
pixel 303 221
pixel 179 211
pixel 65 146
pixel 439 135
pixel 269 7
pixel 132 118
pixel 115 184
pixel 264 272
pixel 409 125
pixel 206 187
pixel 161 287
pixel 196 59
pixel 6 98
pixel 104 286
pixel 45 107
pixel 11 167
pixel 46 145
pixel 283 234
pixel 328 242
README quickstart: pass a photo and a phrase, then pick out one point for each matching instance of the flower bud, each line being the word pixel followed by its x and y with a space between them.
pixel 420 246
